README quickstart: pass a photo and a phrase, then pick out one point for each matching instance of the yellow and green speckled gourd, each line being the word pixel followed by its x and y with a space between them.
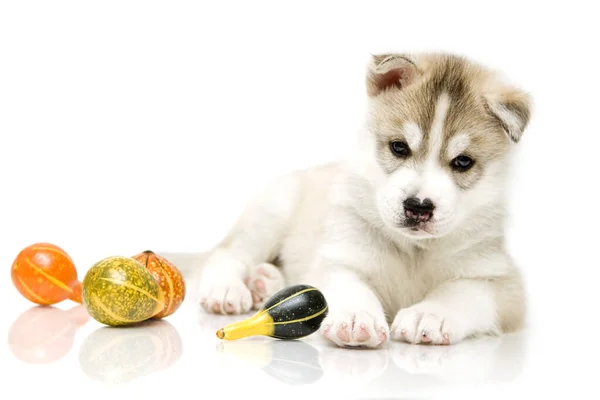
pixel 119 291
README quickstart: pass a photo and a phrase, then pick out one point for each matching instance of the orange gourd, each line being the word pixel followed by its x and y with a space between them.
pixel 45 274
pixel 169 279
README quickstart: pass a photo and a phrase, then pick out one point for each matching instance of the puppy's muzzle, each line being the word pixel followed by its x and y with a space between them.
pixel 416 210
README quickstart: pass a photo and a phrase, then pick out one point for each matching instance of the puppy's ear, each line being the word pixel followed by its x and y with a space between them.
pixel 390 71
pixel 512 109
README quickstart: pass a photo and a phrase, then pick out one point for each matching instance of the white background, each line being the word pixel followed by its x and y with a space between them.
pixel 127 126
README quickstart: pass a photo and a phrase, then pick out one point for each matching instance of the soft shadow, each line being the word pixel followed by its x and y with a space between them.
pixel 123 354
pixel 44 334
pixel 401 368
pixel 357 365
pixel 471 361
pixel 427 369
pixel 293 362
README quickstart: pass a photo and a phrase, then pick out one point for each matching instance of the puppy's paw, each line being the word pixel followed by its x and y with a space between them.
pixel 356 329
pixel 225 296
pixel 264 281
pixel 426 323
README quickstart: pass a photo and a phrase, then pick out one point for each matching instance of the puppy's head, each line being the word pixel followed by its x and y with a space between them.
pixel 441 128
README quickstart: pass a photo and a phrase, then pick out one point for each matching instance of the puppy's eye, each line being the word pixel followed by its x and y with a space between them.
pixel 400 149
pixel 462 163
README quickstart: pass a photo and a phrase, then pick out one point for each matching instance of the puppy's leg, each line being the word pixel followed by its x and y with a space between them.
pixel 254 239
pixel 356 317
pixel 463 308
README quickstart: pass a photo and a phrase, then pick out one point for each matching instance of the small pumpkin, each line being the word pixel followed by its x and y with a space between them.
pixel 169 278
pixel 118 290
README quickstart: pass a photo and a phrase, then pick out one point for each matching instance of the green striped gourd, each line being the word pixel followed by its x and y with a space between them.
pixel 119 291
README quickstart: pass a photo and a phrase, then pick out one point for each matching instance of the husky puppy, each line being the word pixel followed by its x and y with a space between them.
pixel 405 237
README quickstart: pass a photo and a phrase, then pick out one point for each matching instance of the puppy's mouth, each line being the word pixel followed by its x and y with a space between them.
pixel 419 223
pixel 417 227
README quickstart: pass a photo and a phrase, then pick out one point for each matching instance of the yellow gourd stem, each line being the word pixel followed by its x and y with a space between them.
pixel 260 323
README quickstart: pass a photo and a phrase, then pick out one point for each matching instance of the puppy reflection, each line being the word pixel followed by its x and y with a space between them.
pixel 43 334
pixel 118 355
pixel 358 366
pixel 294 362
pixel 474 361
pixel 477 361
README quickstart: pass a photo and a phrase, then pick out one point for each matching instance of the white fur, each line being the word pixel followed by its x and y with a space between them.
pixel 457 145
pixel 336 227
pixel 413 135
pixel 436 135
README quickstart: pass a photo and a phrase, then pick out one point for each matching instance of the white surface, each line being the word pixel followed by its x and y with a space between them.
pixel 183 351
pixel 127 126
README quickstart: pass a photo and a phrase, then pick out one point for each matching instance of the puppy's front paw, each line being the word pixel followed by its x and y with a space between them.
pixel 427 324
pixel 225 296
pixel 264 281
pixel 356 329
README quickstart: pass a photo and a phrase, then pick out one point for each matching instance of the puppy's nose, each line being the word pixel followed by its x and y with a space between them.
pixel 418 210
